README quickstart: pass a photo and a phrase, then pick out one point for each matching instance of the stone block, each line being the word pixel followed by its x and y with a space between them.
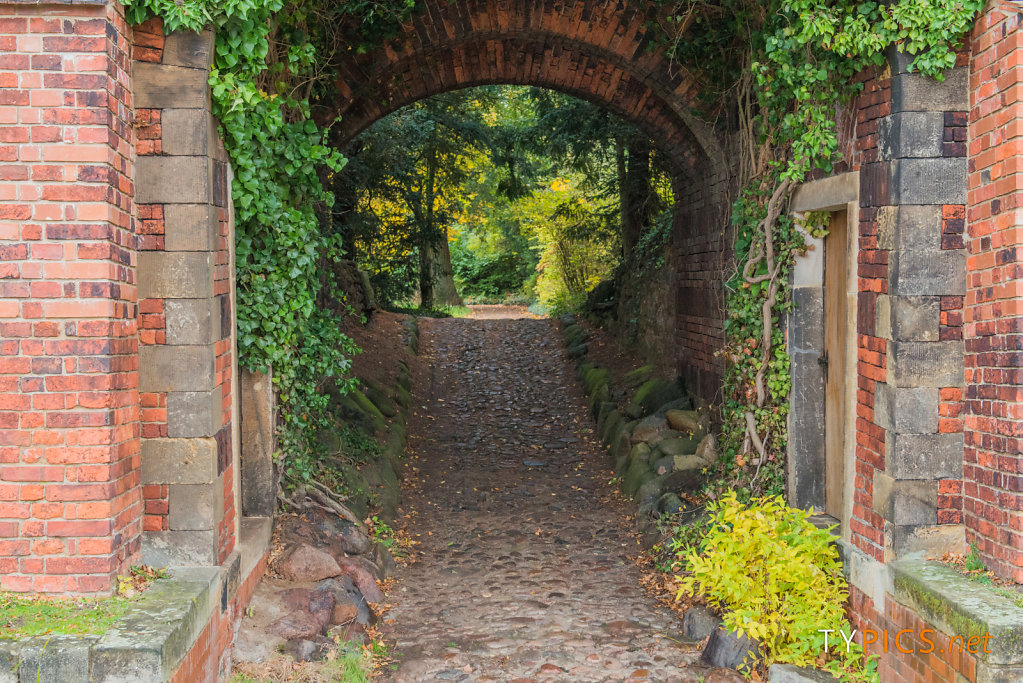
pixel 140 664
pixel 179 548
pixel 190 227
pixel 805 323
pixel 911 227
pixel 932 272
pixel 194 506
pixel 827 194
pixel 56 658
pixel 189 49
pixel 10 659
pixel 188 132
pixel 787 673
pixel 915 92
pixel 194 413
pixel 924 456
pixel 173 180
pixel 177 368
pixel 160 86
pixel 887 226
pixel 911 134
pixel 905 501
pixel 914 318
pixel 258 421
pixel 806 448
pixel 151 640
pixel 175 275
pixel 956 605
pixel 191 321
pixel 907 410
pixel 179 461
pixel 926 364
pixel 883 317
pixel 928 181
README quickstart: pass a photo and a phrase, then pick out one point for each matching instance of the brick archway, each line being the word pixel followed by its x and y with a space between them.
pixel 601 53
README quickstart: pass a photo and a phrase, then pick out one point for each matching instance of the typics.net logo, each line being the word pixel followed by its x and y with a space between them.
pixel 906 641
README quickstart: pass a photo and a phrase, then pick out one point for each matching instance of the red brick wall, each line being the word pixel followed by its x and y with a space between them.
pixel 209 659
pixel 69 407
pixel 993 311
pixel 934 660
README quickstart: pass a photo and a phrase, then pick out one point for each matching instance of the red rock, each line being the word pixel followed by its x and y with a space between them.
pixel 304 563
pixel 296 625
pixel 362 576
pixel 344 613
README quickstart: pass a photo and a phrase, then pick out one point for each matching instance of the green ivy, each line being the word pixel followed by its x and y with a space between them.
pixel 803 57
pixel 279 157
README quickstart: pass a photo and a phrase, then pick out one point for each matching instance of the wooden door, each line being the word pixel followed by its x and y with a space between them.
pixel 836 270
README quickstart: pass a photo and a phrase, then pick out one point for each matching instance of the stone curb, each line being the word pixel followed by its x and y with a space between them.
pixel 145 646
pixel 961 607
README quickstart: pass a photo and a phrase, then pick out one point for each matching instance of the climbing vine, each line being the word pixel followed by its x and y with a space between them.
pixel 799 62
pixel 270 59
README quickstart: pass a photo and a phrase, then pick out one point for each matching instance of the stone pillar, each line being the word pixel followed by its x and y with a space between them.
pixel 185 284
pixel 258 424
pixel 70 504
pixel 919 187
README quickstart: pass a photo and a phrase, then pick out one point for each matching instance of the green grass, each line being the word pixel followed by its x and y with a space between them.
pixel 23 617
pixel 435 312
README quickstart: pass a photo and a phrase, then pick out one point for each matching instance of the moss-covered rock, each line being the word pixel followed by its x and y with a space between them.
pixel 680 445
pixel 653 394
pixel 639 376
pixel 637 473
pixel 688 421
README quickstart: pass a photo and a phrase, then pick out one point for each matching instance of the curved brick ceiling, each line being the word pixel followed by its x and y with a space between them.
pixel 598 51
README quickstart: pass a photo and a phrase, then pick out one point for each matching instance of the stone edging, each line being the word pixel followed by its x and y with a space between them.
pixel 961 607
pixel 149 643
pixel 145 646
pixel 660 440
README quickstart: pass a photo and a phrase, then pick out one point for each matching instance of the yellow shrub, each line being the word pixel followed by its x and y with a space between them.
pixel 777 578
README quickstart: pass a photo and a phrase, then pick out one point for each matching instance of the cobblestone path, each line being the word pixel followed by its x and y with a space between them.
pixel 527 569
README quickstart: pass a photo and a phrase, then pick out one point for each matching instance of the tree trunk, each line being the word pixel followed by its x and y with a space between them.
pixel 426 261
pixel 444 292
pixel 635 191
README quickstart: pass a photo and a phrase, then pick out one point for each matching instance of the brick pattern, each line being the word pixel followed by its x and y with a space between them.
pixel 937 659
pixel 209 659
pixel 866 526
pixel 993 311
pixel 956 122
pixel 70 503
pixel 600 51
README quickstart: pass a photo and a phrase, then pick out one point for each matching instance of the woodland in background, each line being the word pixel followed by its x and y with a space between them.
pixel 498 194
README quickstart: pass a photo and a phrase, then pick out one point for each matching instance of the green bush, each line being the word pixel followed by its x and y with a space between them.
pixel 777 578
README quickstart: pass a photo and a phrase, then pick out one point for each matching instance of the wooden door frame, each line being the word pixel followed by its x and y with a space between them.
pixel 805 342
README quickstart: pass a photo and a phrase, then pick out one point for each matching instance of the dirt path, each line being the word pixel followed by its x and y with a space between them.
pixel 527 570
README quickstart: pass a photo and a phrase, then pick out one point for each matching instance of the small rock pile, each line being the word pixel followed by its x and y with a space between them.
pixel 323 581
pixel 660 438
pixel 323 590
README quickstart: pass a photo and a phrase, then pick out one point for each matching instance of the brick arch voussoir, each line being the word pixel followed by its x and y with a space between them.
pixel 631 90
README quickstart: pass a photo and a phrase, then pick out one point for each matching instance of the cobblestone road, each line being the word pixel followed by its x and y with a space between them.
pixel 527 569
